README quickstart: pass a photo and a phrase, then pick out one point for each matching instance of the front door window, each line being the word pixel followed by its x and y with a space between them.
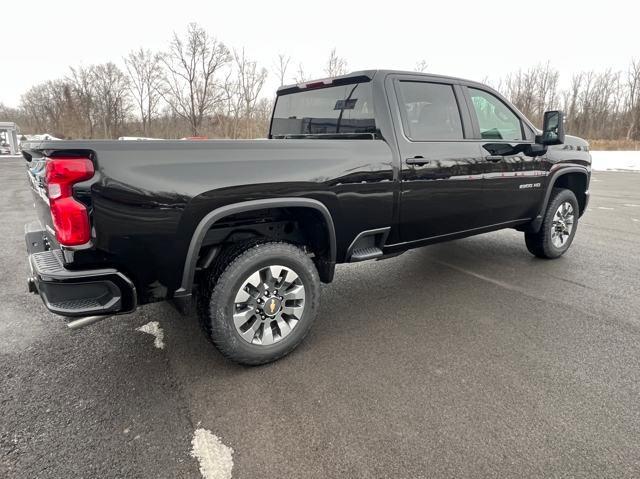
pixel 495 119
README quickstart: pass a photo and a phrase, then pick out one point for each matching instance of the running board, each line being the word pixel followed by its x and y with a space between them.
pixel 364 254
pixel 368 245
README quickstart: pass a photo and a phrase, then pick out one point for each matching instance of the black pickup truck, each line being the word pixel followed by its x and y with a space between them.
pixel 358 167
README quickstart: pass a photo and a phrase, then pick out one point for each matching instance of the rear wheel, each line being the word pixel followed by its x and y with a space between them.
pixel 558 228
pixel 260 301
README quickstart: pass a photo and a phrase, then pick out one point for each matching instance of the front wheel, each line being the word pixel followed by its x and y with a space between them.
pixel 558 228
pixel 262 302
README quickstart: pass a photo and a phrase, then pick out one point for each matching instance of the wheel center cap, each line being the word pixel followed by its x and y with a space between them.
pixel 272 306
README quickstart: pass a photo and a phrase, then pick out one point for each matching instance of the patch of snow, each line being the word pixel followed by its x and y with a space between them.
pixel 153 328
pixel 215 459
pixel 615 160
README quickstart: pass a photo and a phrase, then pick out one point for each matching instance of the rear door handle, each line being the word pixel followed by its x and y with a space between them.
pixel 418 160
pixel 494 158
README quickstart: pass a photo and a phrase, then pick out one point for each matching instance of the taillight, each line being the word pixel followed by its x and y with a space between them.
pixel 70 217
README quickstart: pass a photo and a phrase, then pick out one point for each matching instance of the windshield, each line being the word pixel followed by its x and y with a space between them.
pixel 337 110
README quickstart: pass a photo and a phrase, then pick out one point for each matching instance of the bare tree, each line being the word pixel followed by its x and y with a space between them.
pixel 32 103
pixel 111 100
pixel 250 82
pixel 301 74
pixel 191 86
pixel 281 67
pixel 633 101
pixel 48 105
pixel 422 66
pixel 11 114
pixel 95 95
pixel 233 103
pixel 571 101
pixel 263 111
pixel 145 75
pixel 533 91
pixel 83 89
pixel 546 90
pixel 595 103
pixel 242 89
pixel 336 65
pixel 59 105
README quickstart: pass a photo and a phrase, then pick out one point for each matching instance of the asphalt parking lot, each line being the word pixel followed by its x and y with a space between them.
pixel 465 359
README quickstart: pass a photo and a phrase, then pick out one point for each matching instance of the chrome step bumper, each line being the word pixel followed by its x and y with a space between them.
pixel 77 293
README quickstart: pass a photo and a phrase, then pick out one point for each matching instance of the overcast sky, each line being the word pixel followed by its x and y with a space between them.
pixel 471 39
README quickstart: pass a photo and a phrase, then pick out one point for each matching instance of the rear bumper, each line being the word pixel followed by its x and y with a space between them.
pixel 75 293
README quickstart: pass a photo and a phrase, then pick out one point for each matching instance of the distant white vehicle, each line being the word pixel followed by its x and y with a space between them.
pixel 39 137
pixel 137 138
pixel 8 138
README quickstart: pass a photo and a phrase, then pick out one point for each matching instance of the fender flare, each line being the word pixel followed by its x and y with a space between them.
pixel 242 207
pixel 536 224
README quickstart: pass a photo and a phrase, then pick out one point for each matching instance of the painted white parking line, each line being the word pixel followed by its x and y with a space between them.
pixel 153 328
pixel 632 205
pixel 604 208
pixel 215 459
pixel 635 219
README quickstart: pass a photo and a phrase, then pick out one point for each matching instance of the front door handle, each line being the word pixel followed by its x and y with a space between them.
pixel 494 158
pixel 418 160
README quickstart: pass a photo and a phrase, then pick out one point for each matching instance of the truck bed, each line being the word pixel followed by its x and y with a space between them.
pixel 147 197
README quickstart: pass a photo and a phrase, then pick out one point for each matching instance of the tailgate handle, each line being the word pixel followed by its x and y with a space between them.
pixel 418 160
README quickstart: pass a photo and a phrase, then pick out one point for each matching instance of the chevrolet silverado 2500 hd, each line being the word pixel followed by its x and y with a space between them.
pixel 358 167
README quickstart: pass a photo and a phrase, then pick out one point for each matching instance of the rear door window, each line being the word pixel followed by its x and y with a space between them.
pixel 430 111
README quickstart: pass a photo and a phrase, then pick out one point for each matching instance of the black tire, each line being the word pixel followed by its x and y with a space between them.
pixel 540 244
pixel 216 299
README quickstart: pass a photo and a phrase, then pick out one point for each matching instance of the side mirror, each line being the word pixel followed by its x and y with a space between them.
pixel 552 128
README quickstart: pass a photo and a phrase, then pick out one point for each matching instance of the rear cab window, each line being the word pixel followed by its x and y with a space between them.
pixel 332 111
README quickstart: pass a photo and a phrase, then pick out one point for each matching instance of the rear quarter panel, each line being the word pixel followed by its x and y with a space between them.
pixel 148 197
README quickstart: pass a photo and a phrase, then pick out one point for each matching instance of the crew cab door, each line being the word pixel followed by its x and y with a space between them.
pixel 441 171
pixel 513 178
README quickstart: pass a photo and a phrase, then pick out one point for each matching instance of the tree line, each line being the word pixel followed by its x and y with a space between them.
pixel 199 86
pixel 603 105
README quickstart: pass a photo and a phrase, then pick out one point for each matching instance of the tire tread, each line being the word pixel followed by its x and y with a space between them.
pixel 539 243
pixel 209 310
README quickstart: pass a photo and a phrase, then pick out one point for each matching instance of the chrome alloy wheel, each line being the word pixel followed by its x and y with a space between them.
pixel 562 224
pixel 268 305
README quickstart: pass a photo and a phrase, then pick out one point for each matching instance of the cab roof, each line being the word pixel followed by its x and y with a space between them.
pixel 361 75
